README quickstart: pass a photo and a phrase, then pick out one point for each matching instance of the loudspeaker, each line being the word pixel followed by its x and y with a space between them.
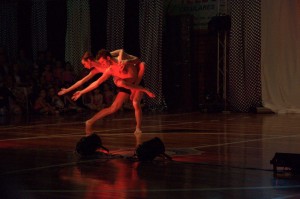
pixel 289 160
pixel 150 149
pixel 88 145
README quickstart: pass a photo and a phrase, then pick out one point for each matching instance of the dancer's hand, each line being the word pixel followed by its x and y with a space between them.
pixel 76 95
pixel 62 91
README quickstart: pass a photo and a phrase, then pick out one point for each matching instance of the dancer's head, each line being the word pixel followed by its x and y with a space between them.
pixel 104 57
pixel 103 53
pixel 86 60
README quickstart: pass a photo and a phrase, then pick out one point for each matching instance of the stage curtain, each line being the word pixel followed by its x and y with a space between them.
pixel 39 27
pixel 244 78
pixel 115 24
pixel 151 28
pixel 9 28
pixel 78 32
pixel 280 64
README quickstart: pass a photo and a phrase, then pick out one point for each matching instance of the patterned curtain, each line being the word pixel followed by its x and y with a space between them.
pixel 151 25
pixel 115 24
pixel 78 32
pixel 9 27
pixel 39 26
pixel 244 75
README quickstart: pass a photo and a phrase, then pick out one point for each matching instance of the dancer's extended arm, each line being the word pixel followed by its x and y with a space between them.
pixel 122 56
pixel 93 85
pixel 77 84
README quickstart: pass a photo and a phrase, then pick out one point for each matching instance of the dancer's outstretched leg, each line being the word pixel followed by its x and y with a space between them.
pixel 116 105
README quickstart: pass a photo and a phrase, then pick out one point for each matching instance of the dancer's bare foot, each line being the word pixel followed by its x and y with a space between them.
pixel 88 128
pixel 150 94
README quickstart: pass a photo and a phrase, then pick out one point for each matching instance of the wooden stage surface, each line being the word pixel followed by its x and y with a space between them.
pixel 215 155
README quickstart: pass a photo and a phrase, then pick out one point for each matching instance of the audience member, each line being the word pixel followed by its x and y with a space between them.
pixel 40 62
pixel 41 106
pixel 9 102
pixel 55 101
pixel 68 75
pixel 24 63
pixel 58 71
pixel 94 100
pixel 47 78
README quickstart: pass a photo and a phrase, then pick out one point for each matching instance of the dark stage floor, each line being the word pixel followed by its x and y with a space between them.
pixel 215 155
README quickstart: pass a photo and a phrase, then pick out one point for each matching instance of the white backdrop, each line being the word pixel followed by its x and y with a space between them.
pixel 280 39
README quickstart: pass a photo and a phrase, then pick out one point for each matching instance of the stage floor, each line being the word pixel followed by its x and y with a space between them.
pixel 215 155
